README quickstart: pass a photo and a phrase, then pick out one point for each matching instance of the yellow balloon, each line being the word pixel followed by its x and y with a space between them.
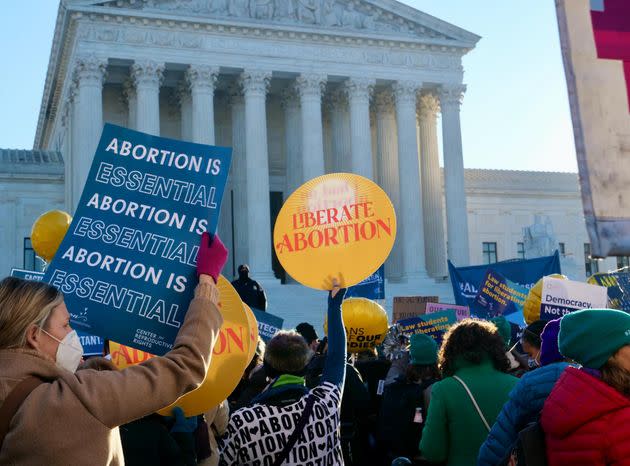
pixel 253 332
pixel 229 357
pixel 531 308
pixel 365 322
pixel 341 222
pixel 48 232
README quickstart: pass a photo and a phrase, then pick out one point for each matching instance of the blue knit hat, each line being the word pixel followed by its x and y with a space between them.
pixel 549 351
pixel 592 336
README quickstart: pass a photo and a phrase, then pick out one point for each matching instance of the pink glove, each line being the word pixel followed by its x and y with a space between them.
pixel 212 256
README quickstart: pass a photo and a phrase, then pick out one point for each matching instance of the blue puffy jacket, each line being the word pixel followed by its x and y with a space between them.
pixel 524 406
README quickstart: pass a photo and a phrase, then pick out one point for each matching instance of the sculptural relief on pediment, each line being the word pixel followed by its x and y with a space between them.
pixel 334 14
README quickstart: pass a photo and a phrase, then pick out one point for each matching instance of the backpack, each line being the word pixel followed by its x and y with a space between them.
pixel 529 449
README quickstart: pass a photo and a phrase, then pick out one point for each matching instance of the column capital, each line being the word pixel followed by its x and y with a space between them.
pixel 406 91
pixel 359 88
pixel 129 90
pixel 311 84
pixel 336 99
pixel 290 97
pixel 147 73
pixel 90 69
pixel 428 105
pixel 255 81
pixel 202 77
pixel 384 101
pixel 452 94
pixel 183 91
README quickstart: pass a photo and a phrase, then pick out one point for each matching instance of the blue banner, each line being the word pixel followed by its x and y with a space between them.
pixel 268 324
pixel 373 287
pixel 618 284
pixel 467 280
pixel 499 296
pixel 127 264
pixel 92 345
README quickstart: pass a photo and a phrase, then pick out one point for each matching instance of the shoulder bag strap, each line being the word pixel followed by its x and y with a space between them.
pixel 472 398
pixel 14 400
pixel 299 428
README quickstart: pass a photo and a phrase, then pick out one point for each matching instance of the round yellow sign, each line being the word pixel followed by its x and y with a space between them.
pixel 229 357
pixel 340 224
pixel 253 332
pixel 125 356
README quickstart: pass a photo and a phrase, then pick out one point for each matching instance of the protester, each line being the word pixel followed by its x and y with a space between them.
pixel 530 341
pixel 468 400
pixel 309 334
pixel 405 401
pixel 586 418
pixel 217 420
pixel 250 291
pixel 373 369
pixel 83 410
pixel 526 400
pixel 289 424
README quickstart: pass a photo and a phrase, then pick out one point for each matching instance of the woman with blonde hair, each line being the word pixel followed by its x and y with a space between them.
pixel 51 415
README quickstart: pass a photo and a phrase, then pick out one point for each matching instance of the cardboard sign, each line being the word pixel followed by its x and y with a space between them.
pixel 410 306
pixel 462 312
pixel 435 325
pixel 268 324
pixel 499 296
pixel 339 222
pixel 92 344
pixel 127 264
pixel 595 43
pixel 560 297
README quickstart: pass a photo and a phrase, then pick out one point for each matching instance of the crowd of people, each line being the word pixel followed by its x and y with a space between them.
pixel 559 395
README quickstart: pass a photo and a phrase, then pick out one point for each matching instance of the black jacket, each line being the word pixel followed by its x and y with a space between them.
pixel 251 293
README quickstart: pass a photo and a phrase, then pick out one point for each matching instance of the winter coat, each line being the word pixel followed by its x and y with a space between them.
pixel 524 406
pixel 75 418
pixel 251 292
pixel 586 422
pixel 453 431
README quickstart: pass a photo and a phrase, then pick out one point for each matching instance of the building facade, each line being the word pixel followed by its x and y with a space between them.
pixel 297 88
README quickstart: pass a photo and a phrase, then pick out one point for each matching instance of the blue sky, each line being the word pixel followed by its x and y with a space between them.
pixel 515 114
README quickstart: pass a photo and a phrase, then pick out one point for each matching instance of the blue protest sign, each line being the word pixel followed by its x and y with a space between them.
pixel 268 324
pixel 499 296
pixel 92 345
pixel 373 287
pixel 618 285
pixel 27 274
pixel 127 264
pixel 467 280
pixel 435 325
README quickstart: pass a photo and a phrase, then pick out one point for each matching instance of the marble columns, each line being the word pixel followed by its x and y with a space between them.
pixel 147 76
pixel 255 85
pixel 87 119
pixel 431 178
pixel 410 224
pixel 359 91
pixel 202 79
pixel 456 212
pixel 310 86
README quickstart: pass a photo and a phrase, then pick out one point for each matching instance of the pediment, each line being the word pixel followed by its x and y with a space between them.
pixel 379 17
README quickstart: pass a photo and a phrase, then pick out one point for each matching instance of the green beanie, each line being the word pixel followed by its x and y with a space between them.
pixel 504 328
pixel 592 336
pixel 422 350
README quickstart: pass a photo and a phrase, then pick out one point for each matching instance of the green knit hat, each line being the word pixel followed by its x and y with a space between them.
pixel 592 336
pixel 422 350
pixel 504 327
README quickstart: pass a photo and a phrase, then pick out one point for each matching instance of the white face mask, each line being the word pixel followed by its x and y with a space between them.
pixel 69 352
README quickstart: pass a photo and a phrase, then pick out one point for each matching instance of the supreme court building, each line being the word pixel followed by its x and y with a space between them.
pixel 298 88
